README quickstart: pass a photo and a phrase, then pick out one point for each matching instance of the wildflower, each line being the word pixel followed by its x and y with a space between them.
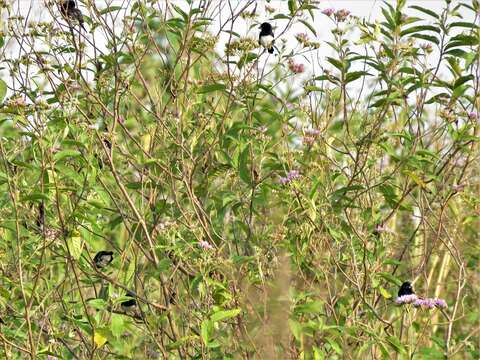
pixel 458 187
pixel 342 14
pixel 383 229
pixel 430 303
pixel 291 175
pixel 427 48
pixel 440 303
pixel 205 245
pixel 296 68
pixel 302 37
pixel 308 140
pixel 93 126
pixel 472 115
pixel 406 299
pixel 312 132
pixel 328 12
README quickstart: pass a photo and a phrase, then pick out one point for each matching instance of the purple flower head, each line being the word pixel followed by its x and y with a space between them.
pixel 312 132
pixel 291 175
pixel 458 187
pixel 383 229
pixel 342 14
pixel 302 37
pixel 430 303
pixel 472 115
pixel 205 245
pixel 406 299
pixel 296 68
pixel 328 12
pixel 440 303
pixel 308 140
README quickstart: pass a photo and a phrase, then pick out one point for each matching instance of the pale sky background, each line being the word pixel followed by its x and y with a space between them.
pixel 370 9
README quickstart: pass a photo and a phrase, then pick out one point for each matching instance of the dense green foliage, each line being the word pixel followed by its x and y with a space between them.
pixel 258 206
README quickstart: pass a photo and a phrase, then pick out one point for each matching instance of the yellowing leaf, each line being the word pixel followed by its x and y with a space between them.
pixel 415 178
pixel 75 245
pixel 99 339
pixel 384 293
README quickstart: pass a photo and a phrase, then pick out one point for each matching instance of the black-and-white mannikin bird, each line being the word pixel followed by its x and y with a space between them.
pixel 406 289
pixel 70 11
pixel 102 259
pixel 129 305
pixel 266 38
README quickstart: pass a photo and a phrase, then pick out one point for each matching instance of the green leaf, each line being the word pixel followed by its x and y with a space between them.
pixel 211 88
pixel 395 343
pixel 425 11
pixel 309 26
pixel 98 304
pixel 295 328
pixel 110 9
pixel 75 245
pixel 66 153
pixel 224 315
pixel 3 90
pixel 117 325
pixel 334 346
pixel 312 307
pixel 354 75
pixel 206 331
pixel 292 6
pixel 243 166
pixel 337 63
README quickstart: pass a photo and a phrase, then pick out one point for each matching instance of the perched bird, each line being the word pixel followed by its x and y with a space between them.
pixel 69 10
pixel 129 305
pixel 102 259
pixel 266 38
pixel 406 289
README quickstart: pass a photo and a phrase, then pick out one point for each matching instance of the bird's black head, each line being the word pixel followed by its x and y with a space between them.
pixel 68 6
pixel 131 302
pixel 406 289
pixel 266 27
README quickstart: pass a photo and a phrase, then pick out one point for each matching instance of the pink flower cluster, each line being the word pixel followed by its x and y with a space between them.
pixel 310 135
pixel 428 303
pixel 340 15
pixel 291 175
pixel 312 132
pixel 383 229
pixel 472 115
pixel 406 299
pixel 328 12
pixel 205 245
pixel 296 68
pixel 302 37
pixel 308 139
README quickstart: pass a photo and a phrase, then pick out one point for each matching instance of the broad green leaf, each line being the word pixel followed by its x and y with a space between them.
pixel 3 90
pixel 98 304
pixel 117 325
pixel 243 168
pixel 224 315
pixel 211 88
pixel 396 344
pixel 206 331
pixel 295 328
pixel 75 245
pixel 66 153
